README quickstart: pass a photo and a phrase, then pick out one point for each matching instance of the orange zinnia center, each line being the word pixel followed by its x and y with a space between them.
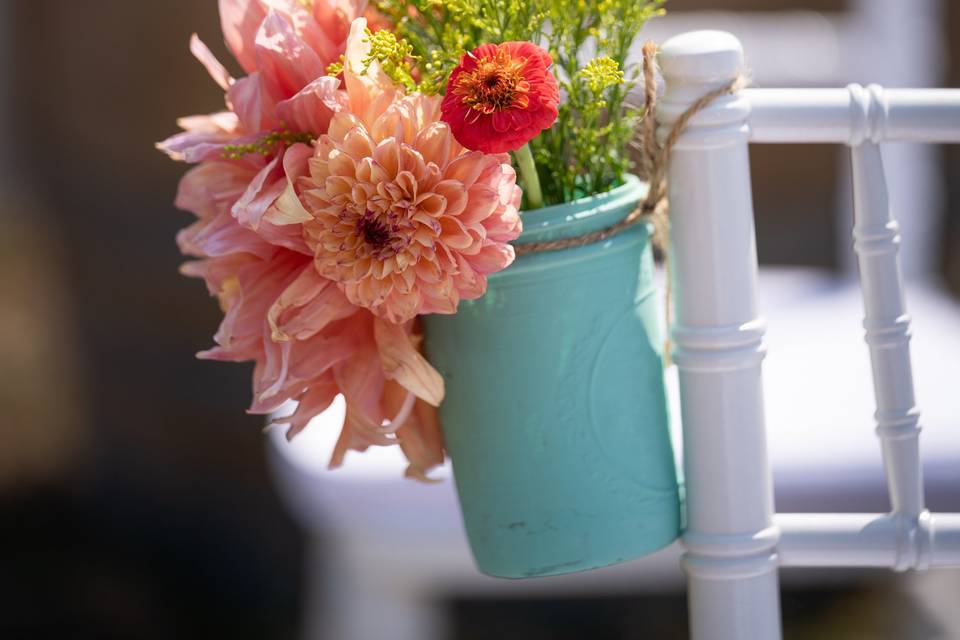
pixel 496 84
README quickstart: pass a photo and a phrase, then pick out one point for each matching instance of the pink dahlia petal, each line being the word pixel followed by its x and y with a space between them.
pixel 212 187
pixel 268 188
pixel 219 274
pixel 322 351
pixel 370 101
pixel 203 138
pixel 398 403
pixel 435 143
pixel 352 438
pixel 325 30
pixel 313 106
pixel 324 27
pixel 216 70
pixel 250 100
pixel 262 192
pixel 240 20
pixel 246 296
pixel 286 236
pixel 223 122
pixel 465 168
pixel 220 236
pixel 471 282
pixel 483 201
pixel 314 401
pixel 285 62
pixel 505 225
pixel 421 439
pixel 493 257
pixel 306 307
pixel 403 363
pixel 286 209
pixel 361 381
pixel 330 22
pixel 443 298
pixel 270 376
pixel 289 367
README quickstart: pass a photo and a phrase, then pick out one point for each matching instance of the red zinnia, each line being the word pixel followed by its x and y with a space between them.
pixel 501 96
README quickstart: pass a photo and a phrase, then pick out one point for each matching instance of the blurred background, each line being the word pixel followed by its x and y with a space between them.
pixel 136 499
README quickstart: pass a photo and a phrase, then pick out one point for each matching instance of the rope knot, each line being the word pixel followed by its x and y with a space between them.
pixel 654 159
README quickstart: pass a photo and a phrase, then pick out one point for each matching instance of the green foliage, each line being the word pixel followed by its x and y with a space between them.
pixel 585 151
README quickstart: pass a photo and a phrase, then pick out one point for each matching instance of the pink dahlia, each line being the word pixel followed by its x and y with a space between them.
pixel 310 344
pixel 404 218
pixel 285 46
pixel 321 26
pixel 501 96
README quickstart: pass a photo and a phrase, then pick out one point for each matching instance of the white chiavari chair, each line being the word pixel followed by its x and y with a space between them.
pixel 734 542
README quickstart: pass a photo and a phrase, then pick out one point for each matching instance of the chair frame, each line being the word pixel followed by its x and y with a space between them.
pixel 734 541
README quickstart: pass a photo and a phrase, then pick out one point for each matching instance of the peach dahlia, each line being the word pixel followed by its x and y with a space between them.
pixel 404 218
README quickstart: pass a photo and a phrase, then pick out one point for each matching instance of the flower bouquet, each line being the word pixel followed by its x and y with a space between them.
pixel 361 204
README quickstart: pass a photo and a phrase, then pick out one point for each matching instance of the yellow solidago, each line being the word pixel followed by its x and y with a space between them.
pixel 393 54
pixel 267 144
pixel 336 68
pixel 601 73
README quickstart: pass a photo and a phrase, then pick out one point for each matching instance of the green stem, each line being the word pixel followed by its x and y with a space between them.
pixel 528 171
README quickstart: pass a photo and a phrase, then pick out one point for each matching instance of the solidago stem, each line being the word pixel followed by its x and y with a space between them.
pixel 528 171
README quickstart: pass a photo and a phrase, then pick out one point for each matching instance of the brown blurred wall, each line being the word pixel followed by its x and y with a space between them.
pixel 950 239
pixel 132 485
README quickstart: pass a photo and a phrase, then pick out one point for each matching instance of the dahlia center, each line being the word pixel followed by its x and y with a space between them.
pixel 374 231
pixel 495 84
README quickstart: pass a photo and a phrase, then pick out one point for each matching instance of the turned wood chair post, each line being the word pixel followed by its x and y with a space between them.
pixel 734 542
pixel 730 539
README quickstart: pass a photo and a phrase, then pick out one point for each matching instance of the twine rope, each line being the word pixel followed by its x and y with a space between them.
pixel 654 159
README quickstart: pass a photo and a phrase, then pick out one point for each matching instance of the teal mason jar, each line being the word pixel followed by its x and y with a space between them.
pixel 555 413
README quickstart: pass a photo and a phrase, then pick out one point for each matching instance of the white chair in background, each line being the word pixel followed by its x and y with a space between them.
pixel 387 548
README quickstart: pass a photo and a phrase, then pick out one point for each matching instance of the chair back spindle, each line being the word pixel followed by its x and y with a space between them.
pixel 730 558
pixel 734 542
